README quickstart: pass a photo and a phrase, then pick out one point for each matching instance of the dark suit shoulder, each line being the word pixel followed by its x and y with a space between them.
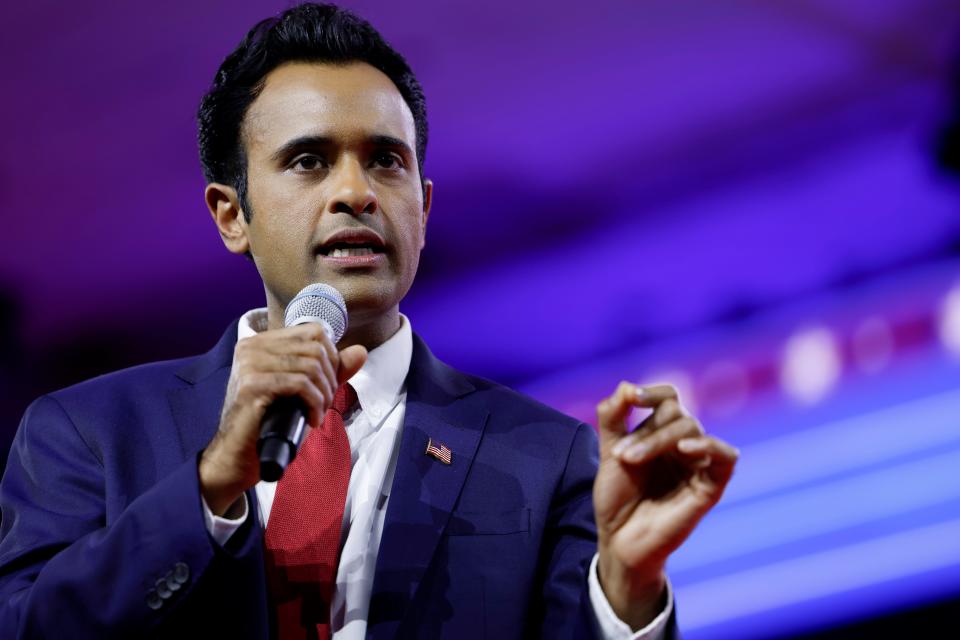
pixel 519 404
pixel 429 374
pixel 142 378
pixel 115 411
pixel 147 380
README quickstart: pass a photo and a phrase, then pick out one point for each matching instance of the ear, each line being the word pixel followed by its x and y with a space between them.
pixel 224 206
pixel 427 201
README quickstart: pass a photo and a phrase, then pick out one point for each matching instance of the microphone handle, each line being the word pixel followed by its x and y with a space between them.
pixel 283 427
pixel 281 433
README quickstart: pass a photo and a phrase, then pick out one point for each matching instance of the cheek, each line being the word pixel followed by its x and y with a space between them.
pixel 281 213
pixel 414 239
pixel 408 225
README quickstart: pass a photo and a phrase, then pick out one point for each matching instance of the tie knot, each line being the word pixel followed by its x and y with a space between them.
pixel 344 398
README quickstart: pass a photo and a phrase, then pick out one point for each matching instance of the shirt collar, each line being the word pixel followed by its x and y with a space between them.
pixel 379 383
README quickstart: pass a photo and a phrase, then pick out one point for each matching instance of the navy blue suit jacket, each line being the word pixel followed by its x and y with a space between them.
pixel 101 513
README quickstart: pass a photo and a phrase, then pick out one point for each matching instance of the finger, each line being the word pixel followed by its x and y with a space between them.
pixel 262 388
pixel 299 345
pixel 329 370
pixel 352 360
pixel 310 332
pixel 645 447
pixel 720 456
pixel 665 413
pixel 320 372
pixel 709 445
pixel 289 345
pixel 652 395
pixel 612 412
pixel 327 343
pixel 318 369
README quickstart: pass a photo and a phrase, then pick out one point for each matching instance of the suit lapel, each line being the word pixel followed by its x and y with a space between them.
pixel 196 408
pixel 424 490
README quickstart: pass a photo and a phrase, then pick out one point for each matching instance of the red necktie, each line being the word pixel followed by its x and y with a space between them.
pixel 302 540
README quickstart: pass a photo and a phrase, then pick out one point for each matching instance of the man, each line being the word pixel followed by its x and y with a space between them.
pixel 423 503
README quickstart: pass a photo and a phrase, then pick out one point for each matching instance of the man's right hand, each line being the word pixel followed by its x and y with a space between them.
pixel 293 361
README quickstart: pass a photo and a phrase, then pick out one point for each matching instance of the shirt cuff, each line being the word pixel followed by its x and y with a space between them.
pixel 611 627
pixel 219 528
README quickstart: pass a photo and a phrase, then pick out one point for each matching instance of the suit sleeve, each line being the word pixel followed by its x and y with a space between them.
pixel 66 572
pixel 571 542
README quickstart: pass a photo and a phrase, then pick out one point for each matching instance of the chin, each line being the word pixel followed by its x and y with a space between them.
pixel 366 300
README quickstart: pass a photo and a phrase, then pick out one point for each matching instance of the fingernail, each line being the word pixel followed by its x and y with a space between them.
pixel 620 446
pixel 687 445
pixel 703 463
pixel 637 452
pixel 641 392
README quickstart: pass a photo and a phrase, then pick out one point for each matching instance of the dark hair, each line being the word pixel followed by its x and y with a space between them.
pixel 308 32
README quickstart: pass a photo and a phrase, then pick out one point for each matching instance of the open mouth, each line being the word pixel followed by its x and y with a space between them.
pixel 353 242
pixel 349 250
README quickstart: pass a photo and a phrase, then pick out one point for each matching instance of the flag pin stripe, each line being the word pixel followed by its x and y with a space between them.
pixel 439 451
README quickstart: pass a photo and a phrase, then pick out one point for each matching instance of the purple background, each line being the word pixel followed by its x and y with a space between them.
pixel 624 189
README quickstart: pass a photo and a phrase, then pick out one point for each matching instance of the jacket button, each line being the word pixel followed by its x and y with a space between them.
pixel 171 582
pixel 162 589
pixel 181 572
pixel 154 601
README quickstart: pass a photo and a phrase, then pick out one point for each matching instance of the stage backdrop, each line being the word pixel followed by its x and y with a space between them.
pixel 743 198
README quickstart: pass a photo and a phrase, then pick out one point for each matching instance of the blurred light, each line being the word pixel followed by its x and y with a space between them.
pixel 807 504
pixel 724 387
pixel 683 383
pixel 811 365
pixel 839 447
pixel 834 506
pixel 950 321
pixel 817 575
pixel 872 344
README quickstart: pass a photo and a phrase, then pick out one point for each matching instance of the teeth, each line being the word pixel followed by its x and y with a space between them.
pixel 347 253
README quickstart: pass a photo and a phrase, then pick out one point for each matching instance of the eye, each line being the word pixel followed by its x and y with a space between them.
pixel 387 160
pixel 308 163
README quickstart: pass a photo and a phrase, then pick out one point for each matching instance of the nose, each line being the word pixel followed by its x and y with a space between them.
pixel 352 193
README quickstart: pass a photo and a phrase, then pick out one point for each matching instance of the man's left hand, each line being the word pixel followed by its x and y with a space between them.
pixel 653 486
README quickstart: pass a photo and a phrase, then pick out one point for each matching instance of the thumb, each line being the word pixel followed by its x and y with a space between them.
pixel 612 414
pixel 351 360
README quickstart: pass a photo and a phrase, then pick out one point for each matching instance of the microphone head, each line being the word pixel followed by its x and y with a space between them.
pixel 319 303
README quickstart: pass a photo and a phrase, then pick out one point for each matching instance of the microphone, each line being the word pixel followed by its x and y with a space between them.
pixel 284 421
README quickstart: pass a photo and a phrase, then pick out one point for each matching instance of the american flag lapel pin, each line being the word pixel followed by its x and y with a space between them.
pixel 439 451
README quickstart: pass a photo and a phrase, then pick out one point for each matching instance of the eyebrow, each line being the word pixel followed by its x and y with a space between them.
pixel 381 140
pixel 312 142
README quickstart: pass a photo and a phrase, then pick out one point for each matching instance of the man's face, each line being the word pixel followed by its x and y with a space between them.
pixel 334 187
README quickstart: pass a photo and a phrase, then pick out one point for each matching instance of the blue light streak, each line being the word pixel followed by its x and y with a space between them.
pixel 814 576
pixel 798 515
pixel 800 457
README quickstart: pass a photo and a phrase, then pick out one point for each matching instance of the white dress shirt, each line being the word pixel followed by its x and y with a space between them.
pixel 373 429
